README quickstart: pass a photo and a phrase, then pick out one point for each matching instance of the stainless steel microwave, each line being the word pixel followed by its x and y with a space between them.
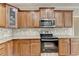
pixel 47 23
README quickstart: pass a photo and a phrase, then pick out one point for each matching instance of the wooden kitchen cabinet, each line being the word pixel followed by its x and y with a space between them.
pixel 64 18
pixel 2 15
pixel 35 48
pixel 22 19
pixel 3 51
pixel 46 12
pixel 64 46
pixel 8 16
pixel 16 48
pixel 68 18
pixel 59 17
pixel 9 48
pixel 24 47
pixel 75 46
pixel 29 19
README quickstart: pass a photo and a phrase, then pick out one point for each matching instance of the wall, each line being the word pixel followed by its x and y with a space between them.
pixel 76 26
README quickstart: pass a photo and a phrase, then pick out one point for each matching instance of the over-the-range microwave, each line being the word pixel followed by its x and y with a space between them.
pixel 47 23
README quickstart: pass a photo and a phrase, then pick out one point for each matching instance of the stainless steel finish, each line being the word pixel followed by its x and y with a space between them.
pixel 47 23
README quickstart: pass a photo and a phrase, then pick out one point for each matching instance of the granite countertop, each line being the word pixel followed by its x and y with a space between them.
pixel 5 39
pixel 2 40
pixel 68 36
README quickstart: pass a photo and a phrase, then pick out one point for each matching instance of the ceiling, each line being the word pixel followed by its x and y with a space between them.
pixel 35 6
pixel 20 5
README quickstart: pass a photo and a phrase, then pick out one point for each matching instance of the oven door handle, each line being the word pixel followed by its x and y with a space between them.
pixel 49 40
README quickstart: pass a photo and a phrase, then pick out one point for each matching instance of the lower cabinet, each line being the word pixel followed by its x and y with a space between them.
pixel 9 48
pixel 64 46
pixel 3 50
pixel 16 47
pixel 6 48
pixel 35 48
pixel 26 47
pixel 75 46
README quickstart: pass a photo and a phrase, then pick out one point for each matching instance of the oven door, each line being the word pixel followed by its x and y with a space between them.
pixel 49 46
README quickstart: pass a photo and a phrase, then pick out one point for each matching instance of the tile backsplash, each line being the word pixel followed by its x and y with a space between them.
pixel 34 32
pixel 5 33
pixel 26 32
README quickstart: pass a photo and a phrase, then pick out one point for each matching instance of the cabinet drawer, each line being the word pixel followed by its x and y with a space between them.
pixel 2 52
pixel 35 41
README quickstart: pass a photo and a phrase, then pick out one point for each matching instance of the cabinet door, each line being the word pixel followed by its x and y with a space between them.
pixel 11 17
pixel 35 48
pixel 35 18
pixel 46 13
pixel 25 47
pixel 59 18
pixel 2 15
pixel 74 46
pixel 29 21
pixel 68 18
pixel 3 51
pixel 43 14
pixel 16 48
pixel 22 19
pixel 64 46
pixel 9 47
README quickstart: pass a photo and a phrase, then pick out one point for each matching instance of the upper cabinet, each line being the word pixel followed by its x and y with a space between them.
pixel 46 12
pixel 59 19
pixel 64 18
pixel 29 19
pixel 68 18
pixel 8 16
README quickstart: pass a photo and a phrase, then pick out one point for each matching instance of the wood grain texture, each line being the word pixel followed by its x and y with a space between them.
pixel 59 18
pixel 75 47
pixel 35 48
pixel 9 48
pixel 25 47
pixel 68 17
pixel 2 16
pixel 64 46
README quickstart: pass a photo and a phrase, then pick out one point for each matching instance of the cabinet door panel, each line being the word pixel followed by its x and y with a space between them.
pixel 35 48
pixel 29 21
pixel 59 19
pixel 22 19
pixel 2 16
pixel 64 46
pixel 74 46
pixel 3 51
pixel 9 48
pixel 25 47
pixel 68 19
pixel 36 19
pixel 16 48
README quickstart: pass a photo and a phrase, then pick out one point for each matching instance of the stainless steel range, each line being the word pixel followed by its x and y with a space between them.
pixel 49 43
